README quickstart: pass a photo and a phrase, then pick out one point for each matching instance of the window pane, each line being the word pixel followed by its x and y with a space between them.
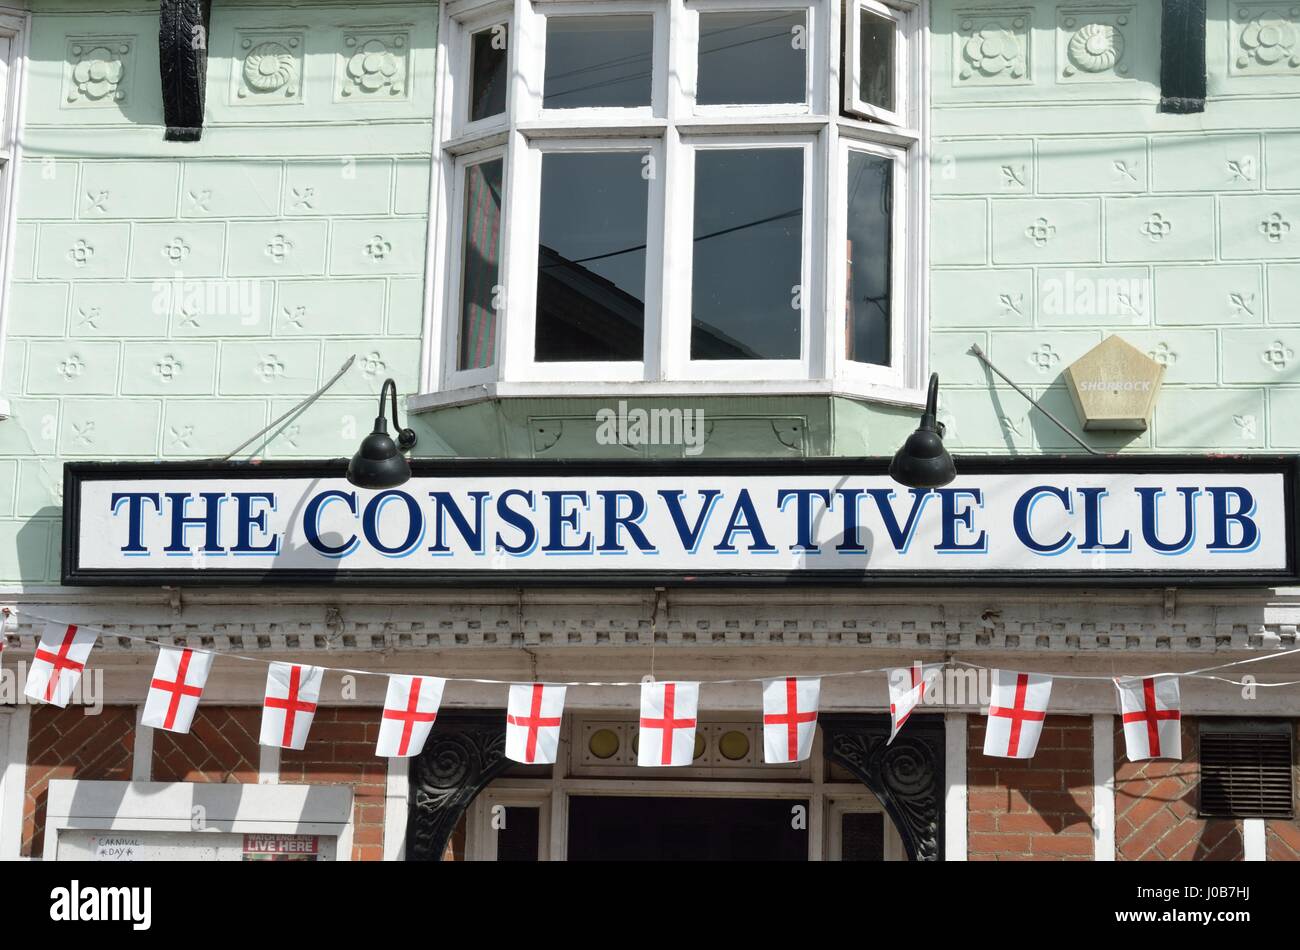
pixel 488 73
pixel 517 841
pixel 752 57
pixel 870 183
pixel 862 836
pixel 748 254
pixel 481 257
pixel 876 60
pixel 591 259
pixel 597 61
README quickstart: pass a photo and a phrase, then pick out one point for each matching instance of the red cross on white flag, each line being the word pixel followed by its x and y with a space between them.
pixel 409 712
pixel 907 690
pixel 1016 713
pixel 60 657
pixel 174 691
pixel 533 715
pixel 1152 721
pixel 668 712
pixel 290 704
pixel 789 718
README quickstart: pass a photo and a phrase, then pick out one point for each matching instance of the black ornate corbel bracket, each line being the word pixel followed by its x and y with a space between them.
pixel 464 752
pixel 183 65
pixel 1182 56
pixel 906 776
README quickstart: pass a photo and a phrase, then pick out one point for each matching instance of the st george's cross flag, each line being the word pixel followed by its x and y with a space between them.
pixel 290 704
pixel 789 718
pixel 907 690
pixel 668 719
pixel 60 657
pixel 1149 709
pixel 533 714
pixel 409 713
pixel 1017 709
pixel 178 681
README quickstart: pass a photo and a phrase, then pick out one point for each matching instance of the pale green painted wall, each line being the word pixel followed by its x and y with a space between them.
pixel 1201 210
pixel 94 370
pixel 311 195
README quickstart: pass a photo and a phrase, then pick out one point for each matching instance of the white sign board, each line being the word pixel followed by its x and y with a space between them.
pixel 1231 519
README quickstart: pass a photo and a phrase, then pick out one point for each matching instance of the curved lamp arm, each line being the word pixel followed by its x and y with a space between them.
pixel 405 437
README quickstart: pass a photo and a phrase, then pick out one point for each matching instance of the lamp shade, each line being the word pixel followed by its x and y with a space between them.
pixel 923 462
pixel 378 463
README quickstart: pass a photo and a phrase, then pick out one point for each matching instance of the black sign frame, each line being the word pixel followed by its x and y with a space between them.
pixel 75 473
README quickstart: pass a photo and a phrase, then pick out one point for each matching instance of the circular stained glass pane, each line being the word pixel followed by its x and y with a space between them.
pixel 699 746
pixel 603 743
pixel 734 745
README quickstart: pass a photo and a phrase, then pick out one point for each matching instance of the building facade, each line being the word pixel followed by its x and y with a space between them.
pixel 640 232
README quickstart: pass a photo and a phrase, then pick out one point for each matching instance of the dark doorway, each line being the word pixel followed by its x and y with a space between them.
pixel 613 828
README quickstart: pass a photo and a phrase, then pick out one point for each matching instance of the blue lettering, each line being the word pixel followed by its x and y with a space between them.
pixel 182 522
pixel 954 517
pixel 1150 512
pixel 804 510
pixel 562 520
pixel 517 520
pixel 1092 532
pixel 445 505
pixel 901 538
pixel 134 516
pixel 1223 520
pixel 247 519
pixel 1023 515
pixel 690 536
pixel 744 520
pixel 615 523
pixel 311 523
pixel 414 523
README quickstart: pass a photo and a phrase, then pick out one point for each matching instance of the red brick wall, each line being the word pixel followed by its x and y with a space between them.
pixel 340 750
pixel 1032 809
pixel 221 746
pixel 1155 809
pixel 68 744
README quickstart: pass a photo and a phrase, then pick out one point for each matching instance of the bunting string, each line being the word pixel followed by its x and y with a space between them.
pixel 6 613
pixel 1149 703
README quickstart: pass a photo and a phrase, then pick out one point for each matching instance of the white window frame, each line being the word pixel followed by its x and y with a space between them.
pixel 15 27
pixel 477 375
pixel 814 76
pixel 672 128
pixel 677 341
pixel 839 806
pixel 852 61
pixel 521 279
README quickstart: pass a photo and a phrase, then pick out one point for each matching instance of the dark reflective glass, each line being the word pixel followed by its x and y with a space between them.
pixel 870 207
pixel 748 254
pixel 597 61
pixel 488 59
pixel 862 837
pixel 752 57
pixel 591 256
pixel 876 60
pixel 480 265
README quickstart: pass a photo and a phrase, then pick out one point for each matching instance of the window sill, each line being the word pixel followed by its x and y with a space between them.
pixel 487 392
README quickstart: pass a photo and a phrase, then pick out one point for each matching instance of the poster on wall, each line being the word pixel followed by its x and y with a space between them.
pixel 1137 520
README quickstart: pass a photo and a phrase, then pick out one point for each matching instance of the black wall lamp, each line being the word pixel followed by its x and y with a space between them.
pixel 923 462
pixel 379 463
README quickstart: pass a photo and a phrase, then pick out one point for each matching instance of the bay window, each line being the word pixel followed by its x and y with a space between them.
pixel 656 196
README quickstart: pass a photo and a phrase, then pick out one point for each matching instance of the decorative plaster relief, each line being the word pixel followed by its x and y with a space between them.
pixel 1094 45
pixel 373 64
pixel 1265 38
pixel 992 48
pixel 95 74
pixel 267 68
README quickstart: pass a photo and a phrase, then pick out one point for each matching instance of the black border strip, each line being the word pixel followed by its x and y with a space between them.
pixel 1182 56
pixel 74 473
